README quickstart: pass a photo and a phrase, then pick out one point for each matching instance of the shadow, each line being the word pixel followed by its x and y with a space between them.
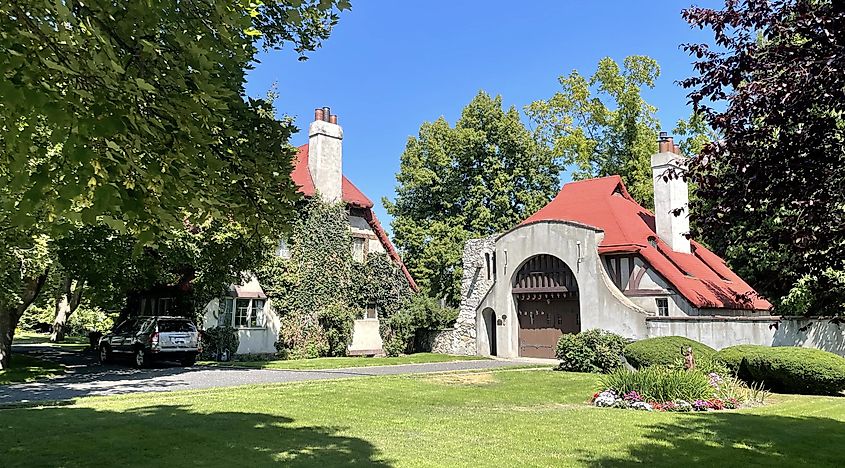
pixel 732 439
pixel 164 435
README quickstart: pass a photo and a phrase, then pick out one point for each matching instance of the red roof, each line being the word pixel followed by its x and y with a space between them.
pixel 701 277
pixel 354 198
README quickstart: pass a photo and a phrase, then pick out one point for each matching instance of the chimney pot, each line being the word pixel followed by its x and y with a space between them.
pixel 318 114
pixel 326 113
pixel 333 119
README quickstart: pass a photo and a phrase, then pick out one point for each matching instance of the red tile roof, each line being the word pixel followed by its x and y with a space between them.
pixel 354 198
pixel 701 277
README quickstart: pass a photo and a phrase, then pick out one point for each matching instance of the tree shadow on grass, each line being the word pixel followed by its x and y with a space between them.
pixel 166 435
pixel 733 439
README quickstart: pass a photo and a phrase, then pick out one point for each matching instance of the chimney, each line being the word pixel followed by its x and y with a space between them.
pixel 325 138
pixel 670 195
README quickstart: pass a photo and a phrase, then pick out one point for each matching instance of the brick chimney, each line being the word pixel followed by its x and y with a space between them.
pixel 670 195
pixel 325 142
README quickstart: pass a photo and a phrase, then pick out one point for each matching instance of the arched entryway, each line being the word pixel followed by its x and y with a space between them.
pixel 489 317
pixel 546 295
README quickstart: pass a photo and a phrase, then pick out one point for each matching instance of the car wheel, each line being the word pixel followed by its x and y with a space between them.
pixel 105 354
pixel 188 361
pixel 141 358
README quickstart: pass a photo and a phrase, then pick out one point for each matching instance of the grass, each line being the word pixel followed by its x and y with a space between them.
pixel 77 343
pixel 23 368
pixel 499 418
pixel 341 362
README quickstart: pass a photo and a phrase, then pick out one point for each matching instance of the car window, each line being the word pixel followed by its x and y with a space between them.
pixel 124 326
pixel 176 326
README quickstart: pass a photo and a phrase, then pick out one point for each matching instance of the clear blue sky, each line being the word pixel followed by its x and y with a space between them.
pixel 391 65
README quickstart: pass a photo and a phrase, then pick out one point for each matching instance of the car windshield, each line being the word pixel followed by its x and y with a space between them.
pixel 176 326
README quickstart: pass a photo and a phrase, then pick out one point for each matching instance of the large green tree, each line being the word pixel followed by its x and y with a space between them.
pixel 772 190
pixel 602 125
pixel 484 175
pixel 133 114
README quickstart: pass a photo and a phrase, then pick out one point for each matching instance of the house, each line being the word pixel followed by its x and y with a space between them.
pixel 594 258
pixel 317 170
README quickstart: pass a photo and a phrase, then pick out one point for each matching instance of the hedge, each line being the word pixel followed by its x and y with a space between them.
pixel 590 351
pixel 732 356
pixel 790 369
pixel 663 351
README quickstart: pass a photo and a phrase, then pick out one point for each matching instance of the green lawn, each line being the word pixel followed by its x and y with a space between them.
pixel 500 418
pixel 340 362
pixel 77 343
pixel 23 368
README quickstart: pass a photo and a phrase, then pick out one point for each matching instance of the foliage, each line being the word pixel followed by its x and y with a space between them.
pixel 219 343
pixel 265 362
pixel 663 351
pixel 709 364
pixel 659 384
pixel 590 351
pixel 402 330
pixel 133 112
pixel 790 369
pixel 732 356
pixel 603 125
pixel 481 176
pixel 336 320
pixel 769 191
pixel 301 337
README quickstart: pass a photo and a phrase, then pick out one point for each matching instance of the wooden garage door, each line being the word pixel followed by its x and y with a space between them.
pixel 541 323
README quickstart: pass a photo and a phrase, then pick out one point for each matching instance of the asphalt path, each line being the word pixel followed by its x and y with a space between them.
pixel 86 377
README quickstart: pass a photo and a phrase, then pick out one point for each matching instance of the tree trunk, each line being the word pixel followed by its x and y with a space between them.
pixel 66 303
pixel 10 314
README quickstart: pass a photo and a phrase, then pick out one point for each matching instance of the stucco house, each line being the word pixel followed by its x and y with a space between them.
pixel 594 258
pixel 317 170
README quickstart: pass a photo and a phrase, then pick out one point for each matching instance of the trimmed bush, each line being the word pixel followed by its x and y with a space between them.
pixel 791 369
pixel 659 384
pixel 732 356
pixel 590 351
pixel 219 343
pixel 663 351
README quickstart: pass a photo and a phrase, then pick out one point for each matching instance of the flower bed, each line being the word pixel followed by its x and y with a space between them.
pixel 633 400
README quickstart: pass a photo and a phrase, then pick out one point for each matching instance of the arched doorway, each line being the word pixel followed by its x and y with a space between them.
pixel 546 294
pixel 489 317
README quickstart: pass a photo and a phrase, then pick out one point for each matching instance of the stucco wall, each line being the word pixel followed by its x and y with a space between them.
pixel 721 332
pixel 366 338
pixel 359 226
pixel 602 305
pixel 252 340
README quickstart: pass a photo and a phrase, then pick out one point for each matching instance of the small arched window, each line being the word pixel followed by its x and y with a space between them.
pixel 487 261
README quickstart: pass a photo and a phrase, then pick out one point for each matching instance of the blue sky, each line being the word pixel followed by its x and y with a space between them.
pixel 391 65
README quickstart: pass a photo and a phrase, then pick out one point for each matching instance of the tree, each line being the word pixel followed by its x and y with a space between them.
pixel 133 114
pixel 772 189
pixel 483 176
pixel 603 125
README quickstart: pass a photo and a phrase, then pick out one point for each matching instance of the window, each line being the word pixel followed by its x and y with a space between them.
pixel 662 306
pixel 256 317
pixel 165 305
pixel 241 313
pixel 227 307
pixel 371 311
pixel 494 266
pixel 358 249
pixel 487 261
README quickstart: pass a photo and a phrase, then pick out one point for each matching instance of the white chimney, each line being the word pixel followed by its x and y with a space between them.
pixel 670 195
pixel 325 142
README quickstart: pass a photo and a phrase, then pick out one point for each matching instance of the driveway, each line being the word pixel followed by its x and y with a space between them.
pixel 86 377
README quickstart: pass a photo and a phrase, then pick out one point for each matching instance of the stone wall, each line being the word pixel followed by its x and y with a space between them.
pixel 440 341
pixel 474 286
pixel 720 332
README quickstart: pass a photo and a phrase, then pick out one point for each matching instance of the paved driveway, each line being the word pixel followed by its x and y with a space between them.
pixel 88 378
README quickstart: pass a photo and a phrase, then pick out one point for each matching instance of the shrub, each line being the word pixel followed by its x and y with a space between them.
pixel 663 351
pixel 732 356
pixel 590 351
pixel 791 369
pixel 337 321
pixel 400 330
pixel 301 337
pixel 219 343
pixel 659 384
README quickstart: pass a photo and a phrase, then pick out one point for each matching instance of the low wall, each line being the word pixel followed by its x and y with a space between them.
pixel 440 341
pixel 366 338
pixel 721 332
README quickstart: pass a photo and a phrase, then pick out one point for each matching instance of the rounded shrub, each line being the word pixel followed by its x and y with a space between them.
pixel 791 369
pixel 732 356
pixel 663 351
pixel 590 351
